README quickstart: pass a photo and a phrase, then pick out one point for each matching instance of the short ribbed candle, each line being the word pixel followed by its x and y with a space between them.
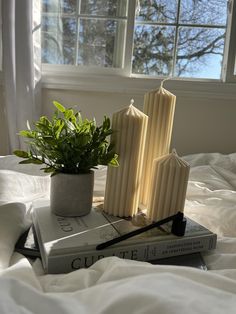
pixel 123 183
pixel 168 186
pixel 159 106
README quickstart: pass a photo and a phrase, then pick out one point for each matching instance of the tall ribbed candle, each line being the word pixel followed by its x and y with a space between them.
pixel 168 186
pixel 123 183
pixel 159 106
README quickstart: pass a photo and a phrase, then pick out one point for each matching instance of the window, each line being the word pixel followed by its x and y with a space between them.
pixel 87 33
pixel 180 38
pixel 145 38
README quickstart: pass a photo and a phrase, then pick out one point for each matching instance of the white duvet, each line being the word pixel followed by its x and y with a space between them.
pixel 114 285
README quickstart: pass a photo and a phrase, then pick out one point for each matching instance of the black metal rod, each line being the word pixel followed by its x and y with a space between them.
pixel 136 232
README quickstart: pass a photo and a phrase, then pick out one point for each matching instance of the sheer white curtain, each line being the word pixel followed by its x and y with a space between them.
pixel 21 67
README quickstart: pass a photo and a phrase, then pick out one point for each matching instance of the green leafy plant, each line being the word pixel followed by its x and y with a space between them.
pixel 68 143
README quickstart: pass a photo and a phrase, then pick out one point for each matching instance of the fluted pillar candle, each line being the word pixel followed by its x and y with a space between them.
pixel 159 106
pixel 123 183
pixel 168 186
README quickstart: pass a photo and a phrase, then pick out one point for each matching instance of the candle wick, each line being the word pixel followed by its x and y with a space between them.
pixel 132 102
pixel 166 79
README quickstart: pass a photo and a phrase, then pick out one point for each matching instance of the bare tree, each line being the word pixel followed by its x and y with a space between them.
pixel 200 33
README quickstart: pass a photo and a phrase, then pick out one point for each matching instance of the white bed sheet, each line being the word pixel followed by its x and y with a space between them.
pixel 114 285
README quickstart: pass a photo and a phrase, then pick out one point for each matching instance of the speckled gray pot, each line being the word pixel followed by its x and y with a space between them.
pixel 72 194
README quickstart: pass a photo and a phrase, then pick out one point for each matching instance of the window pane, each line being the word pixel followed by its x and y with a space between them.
pixel 104 7
pixel 98 42
pixel 153 49
pixel 56 6
pixel 164 11
pixel 200 52
pixel 211 12
pixel 58 40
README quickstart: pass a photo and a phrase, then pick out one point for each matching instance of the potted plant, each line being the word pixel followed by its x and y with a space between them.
pixel 70 148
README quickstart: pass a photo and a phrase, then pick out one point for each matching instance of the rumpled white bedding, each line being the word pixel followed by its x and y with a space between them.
pixel 114 285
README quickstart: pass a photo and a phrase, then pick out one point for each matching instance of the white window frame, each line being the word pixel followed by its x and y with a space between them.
pixel 229 67
pixel 121 80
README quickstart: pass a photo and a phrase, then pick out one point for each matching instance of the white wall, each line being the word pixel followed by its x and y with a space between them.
pixel 204 121
pixel 204 125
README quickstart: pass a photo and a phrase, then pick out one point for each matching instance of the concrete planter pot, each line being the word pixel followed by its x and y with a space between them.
pixel 72 194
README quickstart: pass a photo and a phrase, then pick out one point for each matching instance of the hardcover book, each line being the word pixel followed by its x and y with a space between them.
pixel 69 243
pixel 28 246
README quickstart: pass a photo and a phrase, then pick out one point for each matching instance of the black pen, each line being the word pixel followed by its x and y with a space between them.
pixel 178 228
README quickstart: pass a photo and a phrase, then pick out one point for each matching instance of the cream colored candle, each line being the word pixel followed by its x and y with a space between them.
pixel 159 106
pixel 123 183
pixel 168 186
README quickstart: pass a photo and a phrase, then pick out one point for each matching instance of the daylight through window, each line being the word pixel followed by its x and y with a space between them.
pixel 180 38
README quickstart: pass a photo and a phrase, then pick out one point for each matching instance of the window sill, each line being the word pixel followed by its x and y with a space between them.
pixel 136 85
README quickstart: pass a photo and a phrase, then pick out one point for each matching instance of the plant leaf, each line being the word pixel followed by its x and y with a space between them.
pixel 26 133
pixel 21 153
pixel 28 125
pixel 48 169
pixel 59 106
pixel 67 143
pixel 31 161
pixel 70 125
pixel 69 113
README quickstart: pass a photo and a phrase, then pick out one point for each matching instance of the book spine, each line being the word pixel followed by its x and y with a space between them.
pixel 139 252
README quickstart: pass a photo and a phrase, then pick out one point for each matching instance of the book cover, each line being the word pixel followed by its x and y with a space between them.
pixel 28 246
pixel 189 260
pixel 69 243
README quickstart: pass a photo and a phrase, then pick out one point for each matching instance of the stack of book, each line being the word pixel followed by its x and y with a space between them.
pixel 69 243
